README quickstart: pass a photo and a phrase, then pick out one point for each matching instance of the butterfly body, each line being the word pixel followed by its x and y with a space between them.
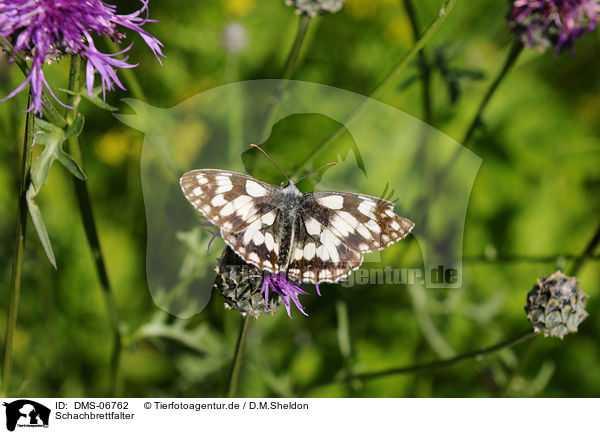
pixel 313 237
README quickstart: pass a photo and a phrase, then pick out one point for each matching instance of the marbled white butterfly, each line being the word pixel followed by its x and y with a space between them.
pixel 313 237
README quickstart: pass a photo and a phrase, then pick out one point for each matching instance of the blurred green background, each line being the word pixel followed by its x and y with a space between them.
pixel 535 196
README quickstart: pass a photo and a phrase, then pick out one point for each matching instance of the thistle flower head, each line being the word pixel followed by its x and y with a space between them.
pixel 556 305
pixel 544 24
pixel 46 29
pixel 251 291
pixel 315 7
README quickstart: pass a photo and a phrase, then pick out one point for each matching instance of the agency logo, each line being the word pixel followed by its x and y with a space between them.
pixel 25 413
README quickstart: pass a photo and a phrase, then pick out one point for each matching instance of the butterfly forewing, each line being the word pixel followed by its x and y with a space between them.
pixel 363 223
pixel 244 208
pixel 229 200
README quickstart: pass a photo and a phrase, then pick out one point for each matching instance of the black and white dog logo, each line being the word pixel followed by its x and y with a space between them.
pixel 26 413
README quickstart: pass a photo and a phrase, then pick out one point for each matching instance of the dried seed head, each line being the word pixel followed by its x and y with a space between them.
pixel 315 7
pixel 240 284
pixel 556 305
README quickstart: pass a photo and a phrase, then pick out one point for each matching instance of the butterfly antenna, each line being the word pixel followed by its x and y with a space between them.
pixel 333 163
pixel 267 155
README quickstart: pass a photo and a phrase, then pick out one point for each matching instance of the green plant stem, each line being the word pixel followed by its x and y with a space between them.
pixel 444 363
pixel 290 63
pixel 588 253
pixel 439 178
pixel 385 83
pixel 526 258
pixel 240 348
pixel 513 55
pixel 19 247
pixel 425 71
pixel 288 71
pixel 91 232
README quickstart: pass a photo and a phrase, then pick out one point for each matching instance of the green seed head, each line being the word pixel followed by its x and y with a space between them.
pixel 556 305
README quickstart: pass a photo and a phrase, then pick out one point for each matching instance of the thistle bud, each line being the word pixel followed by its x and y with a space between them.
pixel 556 305
pixel 315 7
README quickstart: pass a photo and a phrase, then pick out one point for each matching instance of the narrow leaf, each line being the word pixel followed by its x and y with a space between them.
pixel 38 223
pixel 53 137
pixel 71 165
pixel 94 99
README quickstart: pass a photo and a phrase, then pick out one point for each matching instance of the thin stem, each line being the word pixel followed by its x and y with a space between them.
pixel 387 81
pixel 290 63
pixel 91 232
pixel 587 253
pixel 19 246
pixel 288 71
pixel 240 348
pixel 510 61
pixel 444 362
pixel 423 62
pixel 512 57
pixel 526 258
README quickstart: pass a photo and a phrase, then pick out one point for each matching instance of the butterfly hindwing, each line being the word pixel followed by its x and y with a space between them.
pixel 342 227
pixel 318 254
pixel 363 223
pixel 259 242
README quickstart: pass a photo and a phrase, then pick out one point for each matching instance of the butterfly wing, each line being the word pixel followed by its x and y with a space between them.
pixel 342 227
pixel 243 207
pixel 318 254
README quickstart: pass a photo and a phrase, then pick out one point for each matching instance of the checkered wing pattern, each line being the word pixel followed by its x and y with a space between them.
pixel 334 231
pixel 314 237
pixel 244 208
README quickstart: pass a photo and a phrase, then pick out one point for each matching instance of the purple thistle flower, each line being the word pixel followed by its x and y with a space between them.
pixel 552 23
pixel 287 290
pixel 47 29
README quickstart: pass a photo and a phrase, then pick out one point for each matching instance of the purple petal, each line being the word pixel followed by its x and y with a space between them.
pixel 45 28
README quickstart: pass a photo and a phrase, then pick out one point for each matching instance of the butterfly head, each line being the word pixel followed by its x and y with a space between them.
pixel 291 187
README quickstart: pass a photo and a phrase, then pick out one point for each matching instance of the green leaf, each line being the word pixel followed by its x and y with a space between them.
pixel 38 223
pixel 94 98
pixel 52 137
pixel 71 165
pixel 76 127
